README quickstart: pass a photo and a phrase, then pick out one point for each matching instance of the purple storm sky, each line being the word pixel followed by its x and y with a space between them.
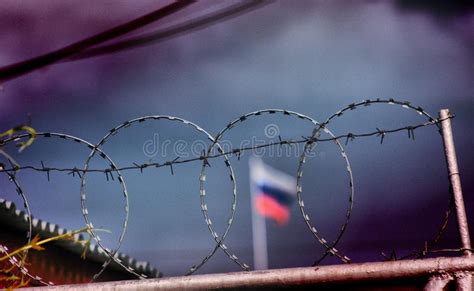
pixel 313 57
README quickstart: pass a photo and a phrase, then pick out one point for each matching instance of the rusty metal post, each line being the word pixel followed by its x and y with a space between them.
pixel 438 282
pixel 463 282
pixel 455 180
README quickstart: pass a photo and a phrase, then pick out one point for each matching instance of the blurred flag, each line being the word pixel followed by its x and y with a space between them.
pixel 273 191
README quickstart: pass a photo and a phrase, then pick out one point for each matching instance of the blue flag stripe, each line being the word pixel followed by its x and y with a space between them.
pixel 279 195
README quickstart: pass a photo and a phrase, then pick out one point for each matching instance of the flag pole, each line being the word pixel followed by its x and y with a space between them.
pixel 259 231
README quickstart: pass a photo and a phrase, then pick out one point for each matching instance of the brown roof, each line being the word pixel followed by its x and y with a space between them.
pixel 18 220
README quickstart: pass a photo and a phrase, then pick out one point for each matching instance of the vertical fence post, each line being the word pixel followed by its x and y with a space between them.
pixel 463 282
pixel 455 180
pixel 438 282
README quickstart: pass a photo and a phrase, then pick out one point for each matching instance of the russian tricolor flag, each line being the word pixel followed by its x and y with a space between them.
pixel 273 191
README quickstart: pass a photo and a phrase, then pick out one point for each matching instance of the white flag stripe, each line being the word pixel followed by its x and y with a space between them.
pixel 261 173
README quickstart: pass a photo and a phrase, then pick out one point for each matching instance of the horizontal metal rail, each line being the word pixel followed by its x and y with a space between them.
pixel 351 273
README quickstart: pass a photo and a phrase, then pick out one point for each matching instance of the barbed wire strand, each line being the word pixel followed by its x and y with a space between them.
pixel 308 142
pixel 234 151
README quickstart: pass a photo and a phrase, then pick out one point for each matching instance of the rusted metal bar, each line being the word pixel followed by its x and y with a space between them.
pixel 455 180
pixel 438 282
pixel 463 281
pixel 351 273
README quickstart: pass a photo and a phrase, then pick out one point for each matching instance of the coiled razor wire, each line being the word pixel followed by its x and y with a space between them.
pixel 219 239
pixel 308 147
pixel 110 253
pixel 21 264
pixel 283 112
pixel 309 143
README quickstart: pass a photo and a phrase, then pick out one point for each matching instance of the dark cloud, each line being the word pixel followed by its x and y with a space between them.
pixel 309 56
